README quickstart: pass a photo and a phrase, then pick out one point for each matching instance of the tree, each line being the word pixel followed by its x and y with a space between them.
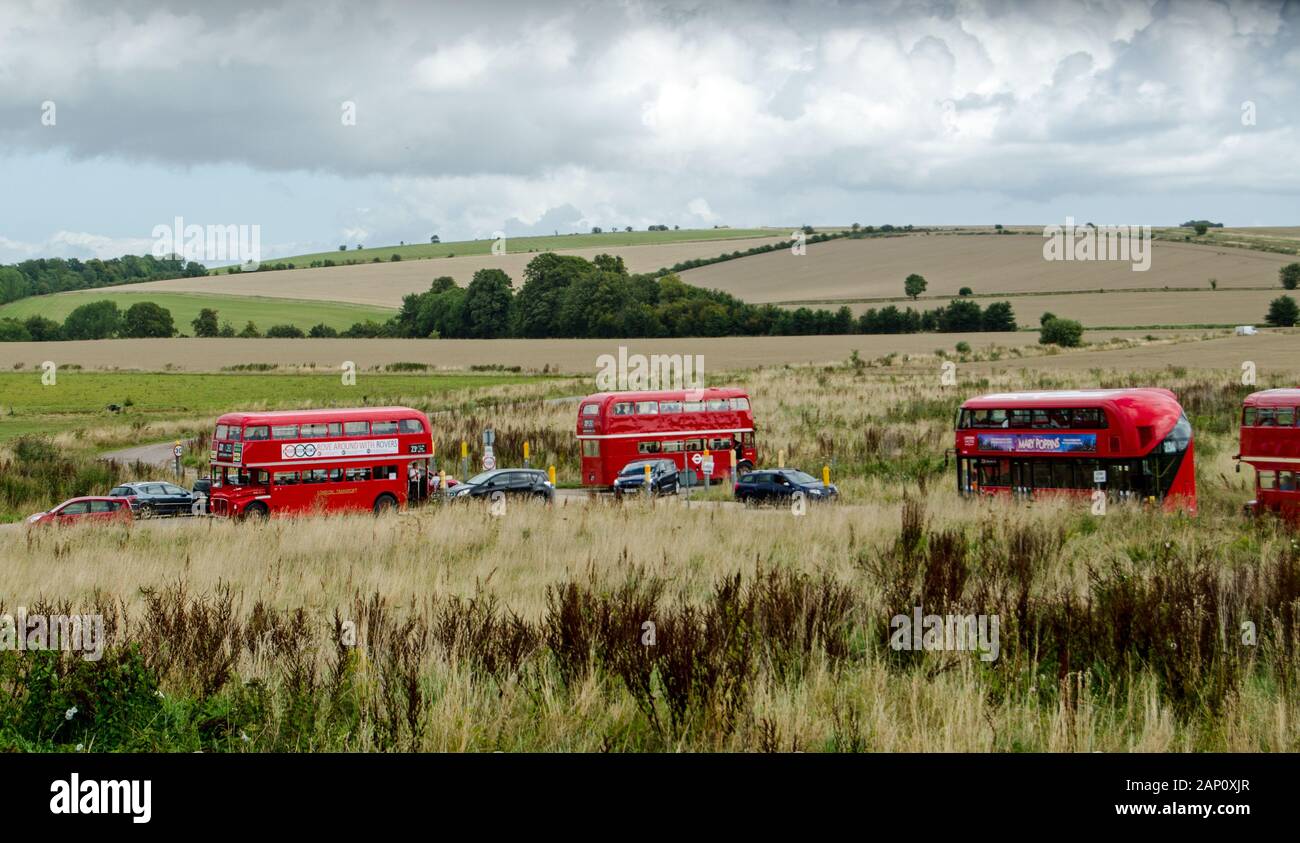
pixel 1066 333
pixel 250 331
pixel 1290 275
pixel 965 291
pixel 487 305
pixel 914 285
pixel 1201 228
pixel 205 324
pixel 1283 312
pixel 42 329
pixel 291 332
pixel 961 315
pixel 999 317
pixel 343 248
pixel 1047 316
pixel 227 331
pixel 322 331
pixel 98 320
pixel 435 239
pixel 148 319
pixel 11 330
pixel 546 278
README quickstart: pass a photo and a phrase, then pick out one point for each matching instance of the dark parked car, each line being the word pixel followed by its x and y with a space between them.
pixel 779 485
pixel 663 478
pixel 513 482
pixel 151 499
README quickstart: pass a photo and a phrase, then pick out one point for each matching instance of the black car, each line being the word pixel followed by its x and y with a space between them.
pixel 155 498
pixel 663 478
pixel 514 482
pixel 779 485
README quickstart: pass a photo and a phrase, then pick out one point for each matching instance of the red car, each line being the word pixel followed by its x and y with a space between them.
pixel 86 510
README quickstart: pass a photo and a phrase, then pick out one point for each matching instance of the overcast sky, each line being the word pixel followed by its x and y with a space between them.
pixel 475 118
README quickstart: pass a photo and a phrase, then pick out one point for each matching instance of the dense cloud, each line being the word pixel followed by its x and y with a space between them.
pixel 478 117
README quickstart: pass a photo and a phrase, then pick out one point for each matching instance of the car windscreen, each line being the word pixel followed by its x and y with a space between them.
pixel 802 477
pixel 636 468
pixel 483 477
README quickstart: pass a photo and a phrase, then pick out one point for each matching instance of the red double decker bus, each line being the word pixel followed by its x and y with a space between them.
pixel 1270 443
pixel 616 428
pixel 1133 444
pixel 315 460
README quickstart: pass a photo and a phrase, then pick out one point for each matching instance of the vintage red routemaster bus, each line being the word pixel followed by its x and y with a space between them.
pixel 305 461
pixel 1270 442
pixel 1133 444
pixel 616 428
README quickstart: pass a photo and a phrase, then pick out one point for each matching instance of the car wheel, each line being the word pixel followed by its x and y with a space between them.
pixel 148 510
pixel 385 504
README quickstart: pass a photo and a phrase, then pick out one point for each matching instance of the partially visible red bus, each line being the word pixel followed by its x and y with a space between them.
pixel 616 428
pixel 303 461
pixel 1134 444
pixel 1270 442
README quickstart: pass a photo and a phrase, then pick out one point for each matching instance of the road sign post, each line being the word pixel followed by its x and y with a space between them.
pixel 525 453
pixel 177 451
pixel 464 460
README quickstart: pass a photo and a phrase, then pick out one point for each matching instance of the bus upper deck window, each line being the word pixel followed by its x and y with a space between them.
pixel 222 432
pixel 693 406
pixel 591 409
pixel 1286 416
pixel 670 406
pixel 312 431
pixel 740 404
pixel 256 432
pixel 411 426
pixel 647 408
pixel 356 428
pixel 1248 417
pixel 717 404
pixel 623 408
pixel 284 431
pixel 383 428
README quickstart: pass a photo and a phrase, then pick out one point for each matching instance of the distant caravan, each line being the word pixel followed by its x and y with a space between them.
pixel 1270 443
pixel 1131 444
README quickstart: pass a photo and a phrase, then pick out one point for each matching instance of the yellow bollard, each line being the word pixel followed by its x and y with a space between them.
pixel 826 474
pixel 551 471
pixel 525 452
pixel 464 449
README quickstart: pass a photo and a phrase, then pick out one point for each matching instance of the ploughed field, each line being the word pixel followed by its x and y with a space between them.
pixel 1117 631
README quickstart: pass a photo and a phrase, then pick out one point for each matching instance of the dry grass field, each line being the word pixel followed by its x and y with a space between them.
pixel 384 284
pixel 475 632
pixel 846 270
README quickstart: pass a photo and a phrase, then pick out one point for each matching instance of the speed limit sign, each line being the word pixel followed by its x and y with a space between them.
pixel 176 452
pixel 489 462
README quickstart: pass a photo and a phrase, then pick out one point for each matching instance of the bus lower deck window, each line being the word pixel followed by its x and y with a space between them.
pixel 1286 481
pixel 286 478
pixel 1267 480
pixel 591 447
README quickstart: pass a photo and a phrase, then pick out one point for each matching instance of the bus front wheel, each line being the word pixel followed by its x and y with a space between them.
pixel 385 504
pixel 255 511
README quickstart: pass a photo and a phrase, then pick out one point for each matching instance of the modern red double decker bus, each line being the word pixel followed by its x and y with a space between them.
pixel 1133 444
pixel 1270 443
pixel 307 461
pixel 616 428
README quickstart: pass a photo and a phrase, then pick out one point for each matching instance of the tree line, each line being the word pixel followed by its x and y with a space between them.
pixel 58 275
